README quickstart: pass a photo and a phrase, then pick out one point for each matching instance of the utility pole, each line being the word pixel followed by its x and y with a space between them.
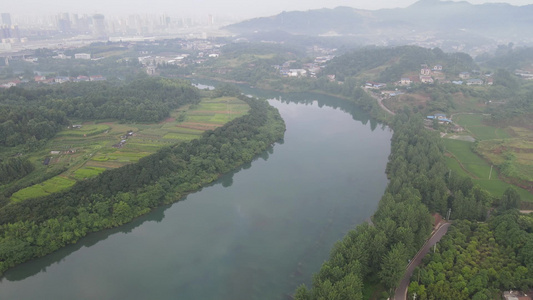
pixel 490 171
pixel 414 296
pixel 435 248
pixel 448 214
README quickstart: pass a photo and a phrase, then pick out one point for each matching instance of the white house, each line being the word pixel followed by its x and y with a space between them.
pixel 82 56
pixel 425 71
pixel 464 75
pixel 297 72
pixel 405 81
pixel 426 79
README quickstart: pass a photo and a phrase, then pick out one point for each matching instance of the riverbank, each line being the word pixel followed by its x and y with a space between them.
pixel 238 235
pixel 36 227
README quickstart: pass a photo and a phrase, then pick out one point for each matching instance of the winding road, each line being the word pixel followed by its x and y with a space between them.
pixel 401 290
pixel 380 102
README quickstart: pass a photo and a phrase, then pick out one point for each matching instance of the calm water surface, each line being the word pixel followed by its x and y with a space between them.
pixel 257 233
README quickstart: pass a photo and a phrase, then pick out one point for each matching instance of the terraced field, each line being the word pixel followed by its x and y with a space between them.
pixel 95 147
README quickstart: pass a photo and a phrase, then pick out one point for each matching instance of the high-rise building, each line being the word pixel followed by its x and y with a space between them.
pixel 99 26
pixel 6 19
pixel 63 23
pixel 5 32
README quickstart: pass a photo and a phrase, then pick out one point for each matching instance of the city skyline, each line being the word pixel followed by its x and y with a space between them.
pixel 236 9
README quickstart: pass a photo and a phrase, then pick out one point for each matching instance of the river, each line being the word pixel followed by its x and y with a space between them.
pixel 257 233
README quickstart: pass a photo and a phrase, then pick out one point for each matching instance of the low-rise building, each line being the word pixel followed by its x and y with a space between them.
pixel 441 118
pixel 474 81
pixel 464 75
pixel 405 81
pixel 374 85
pixel 426 79
pixel 61 79
pixel 82 56
pixel 297 72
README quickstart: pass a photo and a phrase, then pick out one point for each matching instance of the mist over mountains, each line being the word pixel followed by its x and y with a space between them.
pixel 447 24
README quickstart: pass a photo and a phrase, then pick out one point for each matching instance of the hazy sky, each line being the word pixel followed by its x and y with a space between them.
pixel 236 8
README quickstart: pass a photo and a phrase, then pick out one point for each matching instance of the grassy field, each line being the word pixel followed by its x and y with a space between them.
pixel 462 160
pixel 87 172
pixel 511 146
pixel 475 125
pixel 47 187
pixel 474 165
pixel 95 147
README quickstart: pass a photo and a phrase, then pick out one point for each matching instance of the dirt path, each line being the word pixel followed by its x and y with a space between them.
pixel 380 102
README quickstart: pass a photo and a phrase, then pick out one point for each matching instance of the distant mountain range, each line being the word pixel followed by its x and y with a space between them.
pixel 425 20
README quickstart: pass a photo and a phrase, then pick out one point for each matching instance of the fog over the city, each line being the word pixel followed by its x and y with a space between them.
pixel 233 8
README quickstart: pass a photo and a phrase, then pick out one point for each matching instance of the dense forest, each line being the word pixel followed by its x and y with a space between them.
pixel 36 227
pixel 14 168
pixel 510 58
pixel 34 114
pixel 479 260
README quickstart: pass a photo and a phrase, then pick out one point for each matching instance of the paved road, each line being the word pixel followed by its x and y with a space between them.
pixel 401 291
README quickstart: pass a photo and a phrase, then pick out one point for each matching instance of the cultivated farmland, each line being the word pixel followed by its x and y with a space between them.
pixel 89 150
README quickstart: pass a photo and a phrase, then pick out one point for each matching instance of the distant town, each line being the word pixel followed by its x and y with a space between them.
pixel 70 29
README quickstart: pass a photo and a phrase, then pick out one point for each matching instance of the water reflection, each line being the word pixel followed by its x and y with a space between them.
pixel 256 233
pixel 35 266
pixel 304 98
pixel 31 268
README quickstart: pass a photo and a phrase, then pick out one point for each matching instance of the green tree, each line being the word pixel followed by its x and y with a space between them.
pixel 510 199
pixel 393 266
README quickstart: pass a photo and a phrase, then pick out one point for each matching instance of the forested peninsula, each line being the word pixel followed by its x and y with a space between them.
pixel 36 227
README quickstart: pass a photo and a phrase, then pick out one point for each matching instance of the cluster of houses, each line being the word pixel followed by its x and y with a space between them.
pixel 525 74
pixel 63 79
pixel 285 70
pixel 307 70
pixel 150 63
pixel 467 78
pixel 52 80
pixel 431 75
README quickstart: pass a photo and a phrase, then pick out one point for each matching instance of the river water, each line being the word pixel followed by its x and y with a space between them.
pixel 257 233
